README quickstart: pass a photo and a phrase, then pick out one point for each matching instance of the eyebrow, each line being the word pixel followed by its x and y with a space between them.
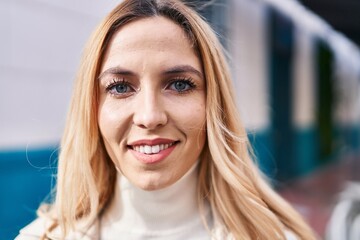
pixel 183 69
pixel 172 70
pixel 117 71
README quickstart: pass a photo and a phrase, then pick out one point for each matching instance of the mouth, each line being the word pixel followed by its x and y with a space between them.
pixel 152 146
pixel 152 151
pixel 148 149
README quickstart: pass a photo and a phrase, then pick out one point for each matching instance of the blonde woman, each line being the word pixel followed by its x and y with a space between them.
pixel 153 146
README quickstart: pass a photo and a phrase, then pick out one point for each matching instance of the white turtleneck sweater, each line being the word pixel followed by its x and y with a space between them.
pixel 171 213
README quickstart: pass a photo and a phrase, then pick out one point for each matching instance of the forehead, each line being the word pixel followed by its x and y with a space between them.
pixel 158 28
pixel 153 33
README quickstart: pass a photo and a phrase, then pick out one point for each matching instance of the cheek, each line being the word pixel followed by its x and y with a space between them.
pixel 112 122
pixel 195 117
pixel 190 117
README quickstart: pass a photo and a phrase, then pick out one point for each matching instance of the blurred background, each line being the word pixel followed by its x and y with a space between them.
pixel 296 71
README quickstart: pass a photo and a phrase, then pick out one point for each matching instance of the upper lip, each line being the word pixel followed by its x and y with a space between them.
pixel 151 142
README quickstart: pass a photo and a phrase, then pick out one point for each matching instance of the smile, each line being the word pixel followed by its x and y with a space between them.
pixel 152 151
pixel 147 149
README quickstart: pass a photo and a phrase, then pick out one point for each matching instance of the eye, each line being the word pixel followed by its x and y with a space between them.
pixel 182 85
pixel 119 87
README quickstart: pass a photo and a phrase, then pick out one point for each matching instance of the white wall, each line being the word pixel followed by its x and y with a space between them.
pixel 247 47
pixel 40 47
pixel 304 76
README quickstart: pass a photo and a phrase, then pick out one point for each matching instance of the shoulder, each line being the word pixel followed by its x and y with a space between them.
pixel 290 235
pixel 33 231
pixel 221 233
pixel 38 227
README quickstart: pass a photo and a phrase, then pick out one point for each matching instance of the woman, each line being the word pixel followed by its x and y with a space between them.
pixel 153 146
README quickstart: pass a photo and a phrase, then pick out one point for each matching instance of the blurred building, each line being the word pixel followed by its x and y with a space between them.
pixel 297 82
pixel 343 15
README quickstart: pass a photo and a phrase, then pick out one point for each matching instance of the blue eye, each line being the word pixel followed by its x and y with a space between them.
pixel 119 87
pixel 182 85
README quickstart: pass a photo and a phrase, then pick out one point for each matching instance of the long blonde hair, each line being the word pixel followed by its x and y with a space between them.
pixel 229 180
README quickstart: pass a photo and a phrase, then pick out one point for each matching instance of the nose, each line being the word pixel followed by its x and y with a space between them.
pixel 150 113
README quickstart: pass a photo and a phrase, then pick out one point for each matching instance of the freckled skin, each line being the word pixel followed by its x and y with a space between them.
pixel 151 109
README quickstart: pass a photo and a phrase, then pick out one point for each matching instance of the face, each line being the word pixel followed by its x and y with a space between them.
pixel 152 103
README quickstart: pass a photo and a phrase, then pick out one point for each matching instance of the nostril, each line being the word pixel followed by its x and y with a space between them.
pixel 150 120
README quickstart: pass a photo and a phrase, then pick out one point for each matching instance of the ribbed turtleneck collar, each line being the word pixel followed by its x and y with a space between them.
pixel 168 213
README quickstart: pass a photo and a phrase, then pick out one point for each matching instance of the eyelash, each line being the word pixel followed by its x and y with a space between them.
pixel 116 81
pixel 188 81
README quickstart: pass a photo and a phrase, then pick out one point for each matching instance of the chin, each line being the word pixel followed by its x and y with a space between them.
pixel 152 184
pixel 150 188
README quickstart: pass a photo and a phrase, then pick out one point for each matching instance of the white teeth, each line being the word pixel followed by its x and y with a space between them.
pixel 155 149
pixel 147 149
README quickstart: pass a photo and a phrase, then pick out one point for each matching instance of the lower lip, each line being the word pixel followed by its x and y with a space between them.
pixel 153 158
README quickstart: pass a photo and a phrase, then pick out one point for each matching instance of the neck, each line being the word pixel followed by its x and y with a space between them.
pixel 171 209
pixel 155 208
